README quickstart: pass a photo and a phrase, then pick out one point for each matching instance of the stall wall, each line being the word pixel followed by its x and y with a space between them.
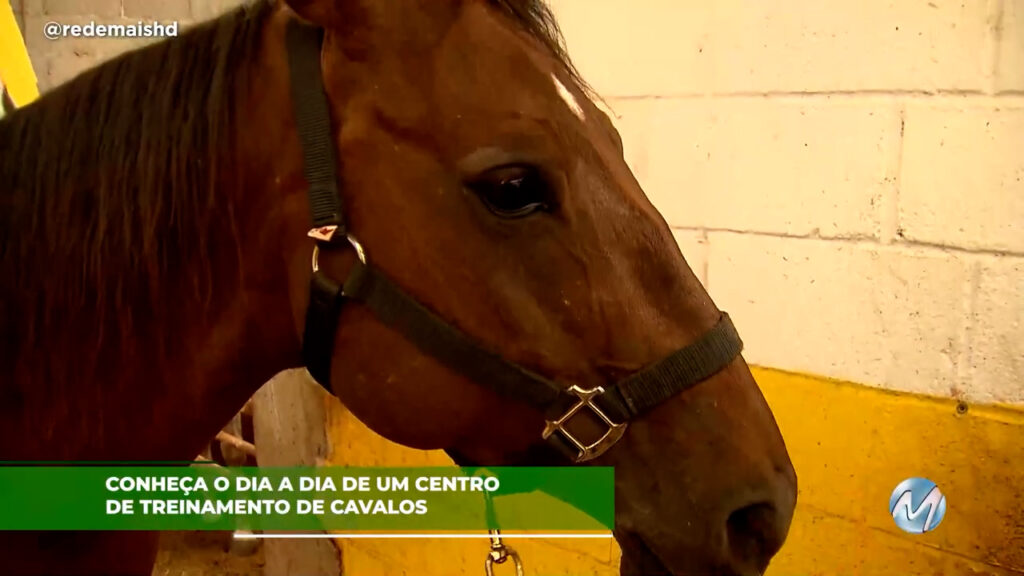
pixel 847 179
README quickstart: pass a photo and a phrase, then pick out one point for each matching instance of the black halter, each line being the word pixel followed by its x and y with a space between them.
pixel 615 405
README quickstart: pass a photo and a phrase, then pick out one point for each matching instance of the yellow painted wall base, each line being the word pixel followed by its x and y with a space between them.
pixel 850 444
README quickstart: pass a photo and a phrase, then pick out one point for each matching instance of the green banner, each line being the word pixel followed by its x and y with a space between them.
pixel 300 499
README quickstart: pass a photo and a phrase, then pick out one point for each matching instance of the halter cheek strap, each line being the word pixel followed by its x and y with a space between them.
pixel 614 405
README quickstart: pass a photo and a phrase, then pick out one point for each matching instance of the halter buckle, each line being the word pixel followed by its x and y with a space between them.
pixel 586 452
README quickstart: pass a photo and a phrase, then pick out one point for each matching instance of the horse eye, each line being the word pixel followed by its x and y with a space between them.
pixel 513 191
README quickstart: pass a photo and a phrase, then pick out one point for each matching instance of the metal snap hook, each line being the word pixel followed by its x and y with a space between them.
pixel 499 552
pixel 496 556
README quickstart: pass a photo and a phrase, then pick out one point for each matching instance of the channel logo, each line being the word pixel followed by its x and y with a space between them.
pixel 917 505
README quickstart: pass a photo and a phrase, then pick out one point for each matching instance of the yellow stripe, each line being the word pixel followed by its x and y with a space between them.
pixel 850 444
pixel 15 65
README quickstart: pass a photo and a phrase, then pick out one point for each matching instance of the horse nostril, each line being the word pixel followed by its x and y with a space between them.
pixel 756 533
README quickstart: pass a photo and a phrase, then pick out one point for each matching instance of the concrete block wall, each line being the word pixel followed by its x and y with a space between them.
pixel 847 178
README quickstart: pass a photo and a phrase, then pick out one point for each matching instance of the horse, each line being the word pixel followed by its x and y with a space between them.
pixel 156 237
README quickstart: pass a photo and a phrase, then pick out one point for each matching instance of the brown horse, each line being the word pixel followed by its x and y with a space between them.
pixel 154 264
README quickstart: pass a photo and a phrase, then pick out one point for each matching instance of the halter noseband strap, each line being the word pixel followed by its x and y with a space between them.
pixel 614 405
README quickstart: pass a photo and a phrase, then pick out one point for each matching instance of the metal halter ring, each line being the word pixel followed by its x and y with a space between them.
pixel 360 253
pixel 586 452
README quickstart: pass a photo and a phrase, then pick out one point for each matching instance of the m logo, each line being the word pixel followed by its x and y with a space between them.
pixel 917 505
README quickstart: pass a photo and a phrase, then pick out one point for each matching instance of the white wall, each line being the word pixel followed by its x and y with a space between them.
pixel 846 177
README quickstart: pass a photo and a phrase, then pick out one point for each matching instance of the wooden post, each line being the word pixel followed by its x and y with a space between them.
pixel 289 430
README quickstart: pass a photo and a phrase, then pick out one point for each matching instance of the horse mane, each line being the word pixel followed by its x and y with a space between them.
pixel 109 196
